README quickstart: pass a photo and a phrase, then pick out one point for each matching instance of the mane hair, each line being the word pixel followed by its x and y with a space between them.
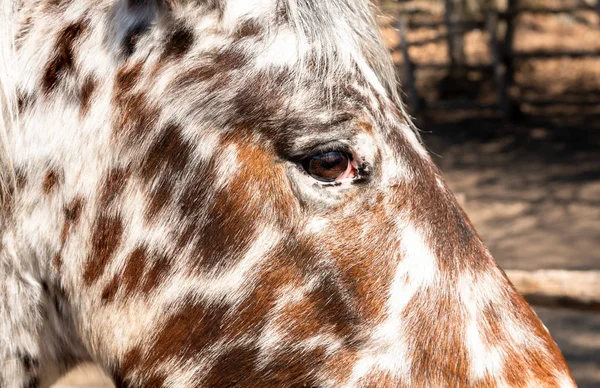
pixel 8 101
pixel 345 32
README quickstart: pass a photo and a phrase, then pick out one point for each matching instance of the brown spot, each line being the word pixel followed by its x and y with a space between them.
pixel 134 269
pixel 160 195
pixel 491 332
pixel 289 368
pixel 130 361
pixel 169 151
pixel 156 273
pixel 196 197
pixel 85 94
pixel 234 367
pixel 57 261
pixel 366 270
pixel 262 107
pixel 179 41
pixel 334 308
pixel 247 28
pixel 230 229
pixel 50 181
pixel 186 334
pixel 137 117
pixel 365 126
pixel 167 159
pixel 72 213
pixel 253 313
pixel 218 64
pixel 255 193
pixel 106 236
pixel 196 75
pixel 121 373
pixel 294 368
pixel 24 101
pixel 326 308
pixel 126 78
pixel 110 291
pixel 143 272
pixel 289 263
pixel 114 184
pixel 237 209
pixel 62 61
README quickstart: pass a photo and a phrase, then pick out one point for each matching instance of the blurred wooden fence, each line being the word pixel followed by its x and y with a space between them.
pixel 578 290
pixel 499 24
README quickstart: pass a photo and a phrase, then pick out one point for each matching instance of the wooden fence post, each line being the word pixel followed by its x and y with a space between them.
pixel 498 63
pixel 453 14
pixel 559 288
pixel 507 57
pixel 409 70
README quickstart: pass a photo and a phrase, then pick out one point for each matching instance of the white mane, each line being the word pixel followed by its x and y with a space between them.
pixel 8 104
pixel 344 30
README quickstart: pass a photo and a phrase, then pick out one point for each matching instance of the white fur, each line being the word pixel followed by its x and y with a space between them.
pixel 417 268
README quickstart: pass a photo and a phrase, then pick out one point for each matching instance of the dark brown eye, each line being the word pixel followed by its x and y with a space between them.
pixel 329 166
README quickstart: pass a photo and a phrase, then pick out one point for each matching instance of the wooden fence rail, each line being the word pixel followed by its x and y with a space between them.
pixel 503 55
pixel 559 288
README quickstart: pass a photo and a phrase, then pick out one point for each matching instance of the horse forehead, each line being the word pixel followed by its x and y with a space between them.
pixel 252 37
pixel 254 74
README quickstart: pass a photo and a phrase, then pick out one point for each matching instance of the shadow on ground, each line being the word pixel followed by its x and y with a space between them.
pixel 576 333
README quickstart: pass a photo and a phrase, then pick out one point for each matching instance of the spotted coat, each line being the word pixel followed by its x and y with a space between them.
pixel 158 218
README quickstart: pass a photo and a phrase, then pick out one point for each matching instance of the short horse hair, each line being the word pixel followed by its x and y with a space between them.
pixel 8 100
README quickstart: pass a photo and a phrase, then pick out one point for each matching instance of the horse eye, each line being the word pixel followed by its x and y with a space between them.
pixel 329 166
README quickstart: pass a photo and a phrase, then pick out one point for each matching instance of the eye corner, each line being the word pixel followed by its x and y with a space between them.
pixel 364 170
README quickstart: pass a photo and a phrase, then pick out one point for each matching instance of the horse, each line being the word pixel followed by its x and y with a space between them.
pixel 229 193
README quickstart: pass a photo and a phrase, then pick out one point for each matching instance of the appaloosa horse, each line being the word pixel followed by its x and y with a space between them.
pixel 217 193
